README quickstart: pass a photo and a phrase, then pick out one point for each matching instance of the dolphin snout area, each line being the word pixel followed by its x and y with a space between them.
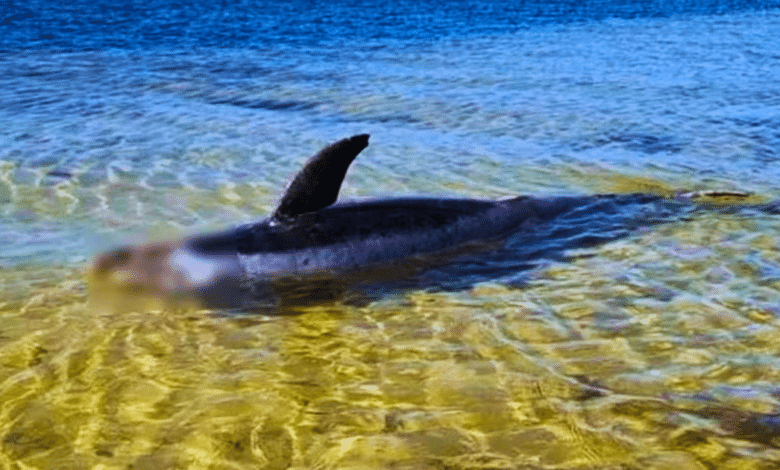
pixel 145 267
pixel 165 268
pixel 112 260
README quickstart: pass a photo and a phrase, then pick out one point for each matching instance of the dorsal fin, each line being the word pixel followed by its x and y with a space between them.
pixel 317 185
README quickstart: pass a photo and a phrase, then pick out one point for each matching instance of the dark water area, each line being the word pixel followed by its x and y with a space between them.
pixel 89 25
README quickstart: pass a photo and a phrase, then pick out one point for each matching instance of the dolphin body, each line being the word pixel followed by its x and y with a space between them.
pixel 310 236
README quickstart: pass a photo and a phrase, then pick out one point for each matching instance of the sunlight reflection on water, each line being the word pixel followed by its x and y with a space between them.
pixel 655 350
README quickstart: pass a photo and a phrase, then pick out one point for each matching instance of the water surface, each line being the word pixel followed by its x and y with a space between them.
pixel 656 348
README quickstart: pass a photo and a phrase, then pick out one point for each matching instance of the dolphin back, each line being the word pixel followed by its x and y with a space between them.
pixel 364 234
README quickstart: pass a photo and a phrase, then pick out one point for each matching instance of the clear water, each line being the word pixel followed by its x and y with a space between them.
pixel 145 122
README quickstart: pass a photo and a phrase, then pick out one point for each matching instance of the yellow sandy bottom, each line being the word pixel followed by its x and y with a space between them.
pixel 594 365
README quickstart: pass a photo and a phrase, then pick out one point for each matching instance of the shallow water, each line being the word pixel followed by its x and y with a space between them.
pixel 653 347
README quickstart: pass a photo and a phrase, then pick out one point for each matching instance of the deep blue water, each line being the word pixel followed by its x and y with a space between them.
pixel 87 25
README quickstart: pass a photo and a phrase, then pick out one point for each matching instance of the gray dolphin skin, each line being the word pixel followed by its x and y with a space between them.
pixel 311 235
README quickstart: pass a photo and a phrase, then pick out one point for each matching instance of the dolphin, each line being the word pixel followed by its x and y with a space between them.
pixel 310 236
